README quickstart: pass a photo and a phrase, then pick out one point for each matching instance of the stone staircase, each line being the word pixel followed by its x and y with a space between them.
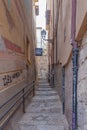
pixel 44 112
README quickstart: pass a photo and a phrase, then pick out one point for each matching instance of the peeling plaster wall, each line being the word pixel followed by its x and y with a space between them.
pixel 82 85
pixel 68 92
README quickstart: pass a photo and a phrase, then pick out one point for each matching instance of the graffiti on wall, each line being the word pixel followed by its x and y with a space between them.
pixel 8 78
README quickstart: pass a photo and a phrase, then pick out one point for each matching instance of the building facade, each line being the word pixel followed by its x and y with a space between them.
pixel 67 26
pixel 17 45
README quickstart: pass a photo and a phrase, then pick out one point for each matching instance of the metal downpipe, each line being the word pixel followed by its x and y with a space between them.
pixel 63 89
pixel 75 66
pixel 52 84
pixel 74 98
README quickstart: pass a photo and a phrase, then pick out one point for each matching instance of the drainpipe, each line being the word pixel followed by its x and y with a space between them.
pixel 53 50
pixel 75 66
pixel 63 89
pixel 58 8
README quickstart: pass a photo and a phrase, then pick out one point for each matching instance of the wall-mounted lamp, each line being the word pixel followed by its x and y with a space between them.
pixel 43 35
pixel 35 0
pixel 36 4
pixel 37 10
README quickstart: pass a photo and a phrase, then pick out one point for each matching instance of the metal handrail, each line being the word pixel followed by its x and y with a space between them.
pixel 50 74
pixel 22 96
pixel 51 78
pixel 14 96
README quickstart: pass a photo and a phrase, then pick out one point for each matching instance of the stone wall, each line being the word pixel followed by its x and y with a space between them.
pixel 13 123
pixel 58 79
pixel 82 85
pixel 68 88
pixel 42 66
pixel 68 92
pixel 17 36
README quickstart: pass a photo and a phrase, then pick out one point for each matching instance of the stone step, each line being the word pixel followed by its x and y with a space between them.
pixel 47 96
pixel 45 104
pixel 40 119
pixel 44 88
pixel 44 84
pixel 41 127
pixel 45 100
pixel 45 92
pixel 44 112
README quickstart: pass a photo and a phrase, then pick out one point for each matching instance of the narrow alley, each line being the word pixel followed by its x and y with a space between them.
pixel 43 64
pixel 45 111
